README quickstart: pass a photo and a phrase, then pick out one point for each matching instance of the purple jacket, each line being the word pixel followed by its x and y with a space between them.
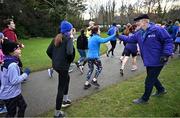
pixel 131 46
pixel 154 43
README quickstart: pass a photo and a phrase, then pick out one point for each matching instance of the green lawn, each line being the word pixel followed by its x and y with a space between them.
pixel 34 54
pixel 116 100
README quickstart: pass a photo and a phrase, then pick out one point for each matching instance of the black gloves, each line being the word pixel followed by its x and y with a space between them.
pixel 27 71
pixel 163 59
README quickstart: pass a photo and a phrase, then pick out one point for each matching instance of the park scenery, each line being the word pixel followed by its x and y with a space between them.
pixel 89 58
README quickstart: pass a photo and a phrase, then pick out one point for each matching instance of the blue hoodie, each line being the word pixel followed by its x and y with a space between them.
pixel 175 29
pixel 154 43
pixel 94 45
pixel 112 30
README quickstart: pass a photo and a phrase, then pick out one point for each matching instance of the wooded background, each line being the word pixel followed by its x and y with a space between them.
pixel 41 18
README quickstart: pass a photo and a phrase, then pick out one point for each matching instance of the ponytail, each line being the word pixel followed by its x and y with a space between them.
pixel 58 39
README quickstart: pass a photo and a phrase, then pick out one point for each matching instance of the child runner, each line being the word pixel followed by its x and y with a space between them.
pixel 10 91
pixel 82 46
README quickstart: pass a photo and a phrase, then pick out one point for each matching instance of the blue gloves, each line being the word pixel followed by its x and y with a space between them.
pixel 27 71
pixel 163 59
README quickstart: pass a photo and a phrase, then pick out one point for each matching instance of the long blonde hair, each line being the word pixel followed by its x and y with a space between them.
pixel 58 39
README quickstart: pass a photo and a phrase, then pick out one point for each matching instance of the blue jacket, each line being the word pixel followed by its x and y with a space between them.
pixel 112 30
pixel 175 29
pixel 94 45
pixel 131 47
pixel 154 43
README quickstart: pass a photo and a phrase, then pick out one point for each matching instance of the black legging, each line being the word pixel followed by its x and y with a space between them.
pixel 176 47
pixel 15 103
pixel 113 44
pixel 63 87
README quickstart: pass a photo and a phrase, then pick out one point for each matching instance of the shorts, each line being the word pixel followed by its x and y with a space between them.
pixel 127 52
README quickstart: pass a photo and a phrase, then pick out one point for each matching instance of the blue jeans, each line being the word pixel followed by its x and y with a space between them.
pixel 152 80
pixel 82 54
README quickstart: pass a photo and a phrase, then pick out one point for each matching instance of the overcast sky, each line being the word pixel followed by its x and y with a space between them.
pixel 118 4
pixel 100 2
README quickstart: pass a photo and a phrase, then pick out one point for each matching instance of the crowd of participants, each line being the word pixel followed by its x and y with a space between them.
pixel 152 42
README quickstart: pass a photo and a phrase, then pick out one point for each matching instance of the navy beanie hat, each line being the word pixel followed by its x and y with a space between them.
pixel 9 46
pixel 65 26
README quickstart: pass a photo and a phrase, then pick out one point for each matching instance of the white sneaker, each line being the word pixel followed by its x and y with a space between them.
pixel 66 103
pixel 134 68
pixel 70 70
pixel 50 72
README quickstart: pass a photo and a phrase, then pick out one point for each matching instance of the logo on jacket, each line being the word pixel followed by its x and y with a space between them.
pixel 151 36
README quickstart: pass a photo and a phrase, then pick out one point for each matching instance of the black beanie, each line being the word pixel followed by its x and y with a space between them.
pixel 142 16
pixel 9 46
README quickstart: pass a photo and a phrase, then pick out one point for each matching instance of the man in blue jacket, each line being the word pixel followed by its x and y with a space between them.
pixel 156 46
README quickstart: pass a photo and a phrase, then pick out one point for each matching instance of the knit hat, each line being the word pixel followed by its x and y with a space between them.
pixel 142 16
pixel 65 26
pixel 1 35
pixel 9 46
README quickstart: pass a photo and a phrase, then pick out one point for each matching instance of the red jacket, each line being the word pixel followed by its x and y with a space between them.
pixel 10 34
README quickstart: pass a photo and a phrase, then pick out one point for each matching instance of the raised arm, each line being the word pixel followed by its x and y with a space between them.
pixel 128 39
pixel 104 40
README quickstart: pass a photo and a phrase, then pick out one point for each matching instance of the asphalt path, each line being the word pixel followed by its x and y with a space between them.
pixel 40 90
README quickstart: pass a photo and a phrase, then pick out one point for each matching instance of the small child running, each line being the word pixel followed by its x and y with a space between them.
pixel 11 79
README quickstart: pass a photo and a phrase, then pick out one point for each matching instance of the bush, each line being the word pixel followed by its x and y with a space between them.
pixel 22 32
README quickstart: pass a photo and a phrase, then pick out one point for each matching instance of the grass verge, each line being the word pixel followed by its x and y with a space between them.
pixel 116 100
pixel 34 54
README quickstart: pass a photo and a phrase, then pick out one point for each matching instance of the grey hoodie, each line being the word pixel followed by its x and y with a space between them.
pixel 11 79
